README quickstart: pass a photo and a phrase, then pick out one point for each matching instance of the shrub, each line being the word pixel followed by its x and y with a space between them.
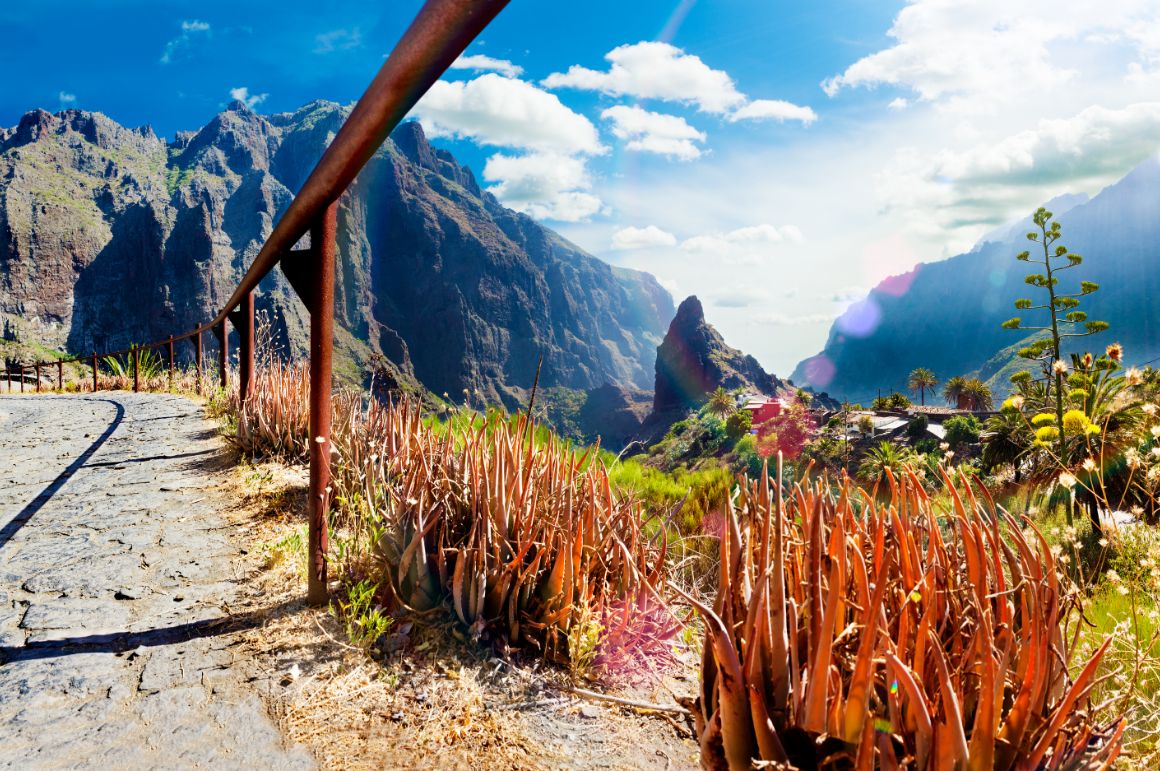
pixel 962 429
pixel 738 424
pixel 837 616
pixel 916 428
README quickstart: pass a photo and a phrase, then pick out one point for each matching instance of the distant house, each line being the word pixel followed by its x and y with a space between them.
pixel 762 408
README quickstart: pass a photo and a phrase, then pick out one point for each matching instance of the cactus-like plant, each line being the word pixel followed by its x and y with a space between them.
pixel 848 633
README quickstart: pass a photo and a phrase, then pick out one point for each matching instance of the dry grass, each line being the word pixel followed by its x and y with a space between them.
pixel 427 696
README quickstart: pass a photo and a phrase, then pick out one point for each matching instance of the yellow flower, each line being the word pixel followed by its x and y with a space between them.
pixel 1014 403
pixel 1043 419
pixel 1074 421
pixel 1115 352
pixel 1047 433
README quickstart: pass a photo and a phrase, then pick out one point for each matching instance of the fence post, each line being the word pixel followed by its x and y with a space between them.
pixel 38 377
pixel 8 376
pixel 136 369
pixel 224 355
pixel 171 362
pixel 95 372
pixel 322 241
pixel 60 376
pixel 246 352
pixel 197 337
pixel 21 378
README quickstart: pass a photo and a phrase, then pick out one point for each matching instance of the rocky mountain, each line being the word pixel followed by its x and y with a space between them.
pixel 946 315
pixel 110 235
pixel 693 360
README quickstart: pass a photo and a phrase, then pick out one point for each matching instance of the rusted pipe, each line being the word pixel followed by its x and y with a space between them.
pixel 60 376
pixel 438 35
pixel 223 335
pixel 95 372
pixel 246 351
pixel 323 243
pixel 136 370
pixel 37 377
pixel 21 378
pixel 197 337
pixel 171 362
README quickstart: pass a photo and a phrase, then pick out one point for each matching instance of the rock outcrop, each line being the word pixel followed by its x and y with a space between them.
pixel 693 360
pixel 110 235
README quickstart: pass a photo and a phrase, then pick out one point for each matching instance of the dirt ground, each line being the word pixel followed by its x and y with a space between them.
pixel 427 697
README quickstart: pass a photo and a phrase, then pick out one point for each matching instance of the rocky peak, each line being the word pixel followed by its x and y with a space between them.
pixel 694 360
pixel 33 125
pixel 413 144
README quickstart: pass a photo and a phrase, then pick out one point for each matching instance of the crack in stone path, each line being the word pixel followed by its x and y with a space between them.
pixel 117 648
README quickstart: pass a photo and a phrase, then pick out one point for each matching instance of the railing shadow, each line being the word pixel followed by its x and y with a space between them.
pixel 148 458
pixel 45 495
pixel 120 642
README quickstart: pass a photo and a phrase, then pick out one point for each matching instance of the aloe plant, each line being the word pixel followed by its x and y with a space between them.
pixel 856 634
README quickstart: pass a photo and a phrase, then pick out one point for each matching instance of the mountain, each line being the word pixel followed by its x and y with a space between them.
pixel 110 235
pixel 693 360
pixel 946 315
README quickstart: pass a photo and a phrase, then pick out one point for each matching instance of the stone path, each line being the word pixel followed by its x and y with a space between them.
pixel 116 570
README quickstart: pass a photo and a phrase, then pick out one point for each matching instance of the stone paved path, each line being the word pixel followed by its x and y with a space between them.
pixel 116 570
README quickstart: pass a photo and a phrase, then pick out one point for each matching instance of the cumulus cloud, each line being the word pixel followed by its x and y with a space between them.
pixel 543 185
pixel 338 40
pixel 642 238
pixel 481 63
pixel 653 132
pixel 774 109
pixel 966 53
pixel 991 183
pixel 742 246
pixel 243 95
pixel 190 29
pixel 782 319
pixel 650 70
pixel 898 103
pixel 505 112
pixel 66 98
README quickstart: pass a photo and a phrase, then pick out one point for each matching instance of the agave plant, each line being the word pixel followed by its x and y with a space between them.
pixel 520 539
pixel 274 421
pixel 848 633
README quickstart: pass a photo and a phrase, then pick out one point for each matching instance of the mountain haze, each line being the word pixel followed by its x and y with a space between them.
pixel 946 315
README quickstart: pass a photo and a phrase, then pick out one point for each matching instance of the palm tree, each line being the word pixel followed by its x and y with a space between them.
pixel 920 380
pixel 721 403
pixel 1010 439
pixel 977 395
pixel 886 455
pixel 953 391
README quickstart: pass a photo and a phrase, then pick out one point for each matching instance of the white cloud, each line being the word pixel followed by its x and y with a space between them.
pixel 994 182
pixel 740 297
pixel 779 318
pixel 746 245
pixel 504 112
pixel 190 29
pixel 986 52
pixel 481 63
pixel 543 185
pixel 898 103
pixel 650 70
pixel 338 40
pixel 243 95
pixel 642 238
pixel 67 98
pixel 774 109
pixel 653 132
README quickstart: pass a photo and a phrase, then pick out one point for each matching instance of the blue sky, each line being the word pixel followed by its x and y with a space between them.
pixel 775 158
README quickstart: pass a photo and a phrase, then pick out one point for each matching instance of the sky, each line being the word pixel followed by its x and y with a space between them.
pixel 776 159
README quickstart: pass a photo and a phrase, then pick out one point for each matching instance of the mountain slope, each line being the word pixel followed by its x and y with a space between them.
pixel 946 315
pixel 111 235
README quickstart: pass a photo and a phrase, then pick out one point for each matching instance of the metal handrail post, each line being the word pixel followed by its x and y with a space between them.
pixel 246 351
pixel 323 243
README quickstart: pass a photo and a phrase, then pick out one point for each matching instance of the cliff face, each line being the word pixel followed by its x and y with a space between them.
pixel 110 235
pixel 693 360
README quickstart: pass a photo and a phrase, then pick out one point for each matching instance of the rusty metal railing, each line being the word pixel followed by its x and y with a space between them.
pixel 439 33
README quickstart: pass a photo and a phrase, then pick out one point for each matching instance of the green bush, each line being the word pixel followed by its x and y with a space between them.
pixel 962 429
pixel 916 429
pixel 738 424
